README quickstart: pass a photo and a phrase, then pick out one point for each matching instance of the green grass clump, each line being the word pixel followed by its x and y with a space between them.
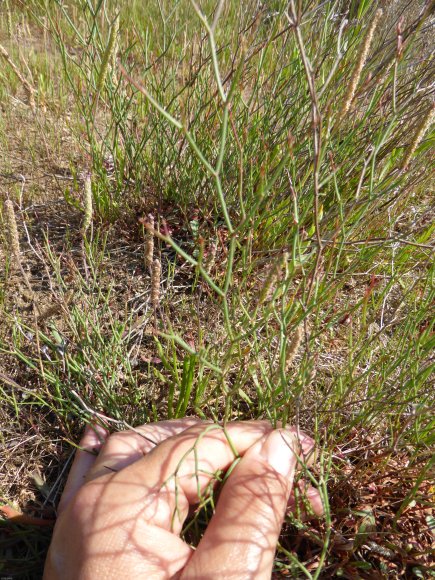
pixel 282 151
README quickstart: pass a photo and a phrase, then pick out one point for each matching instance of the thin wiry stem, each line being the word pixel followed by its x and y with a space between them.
pixel 211 39
pixel 317 134
pixel 337 60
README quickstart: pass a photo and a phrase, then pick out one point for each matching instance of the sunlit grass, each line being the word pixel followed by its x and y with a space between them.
pixel 284 160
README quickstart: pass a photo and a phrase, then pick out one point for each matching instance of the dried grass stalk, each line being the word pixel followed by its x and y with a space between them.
pixel 269 287
pixel 211 256
pixel 12 235
pixel 15 250
pixel 361 60
pixel 115 51
pixel 30 91
pixel 149 243
pixel 292 347
pixel 9 19
pixel 87 220
pixel 156 273
pixel 418 137
pixel 108 55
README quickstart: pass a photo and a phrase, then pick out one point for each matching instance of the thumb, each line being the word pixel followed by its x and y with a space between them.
pixel 241 539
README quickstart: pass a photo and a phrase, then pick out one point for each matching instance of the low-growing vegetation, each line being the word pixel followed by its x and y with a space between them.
pixel 222 209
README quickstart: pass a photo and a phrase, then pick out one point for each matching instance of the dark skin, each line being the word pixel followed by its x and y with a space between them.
pixel 122 511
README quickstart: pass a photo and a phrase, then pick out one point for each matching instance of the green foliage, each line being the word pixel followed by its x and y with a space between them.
pixel 285 214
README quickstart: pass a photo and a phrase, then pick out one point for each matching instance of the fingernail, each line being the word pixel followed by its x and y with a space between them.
pixel 278 451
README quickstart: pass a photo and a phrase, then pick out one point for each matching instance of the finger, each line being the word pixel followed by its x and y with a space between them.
pixel 154 493
pixel 305 448
pixel 84 459
pixel 305 501
pixel 241 539
pixel 175 474
pixel 126 447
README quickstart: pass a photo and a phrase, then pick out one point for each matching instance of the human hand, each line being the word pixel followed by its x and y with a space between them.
pixel 122 512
